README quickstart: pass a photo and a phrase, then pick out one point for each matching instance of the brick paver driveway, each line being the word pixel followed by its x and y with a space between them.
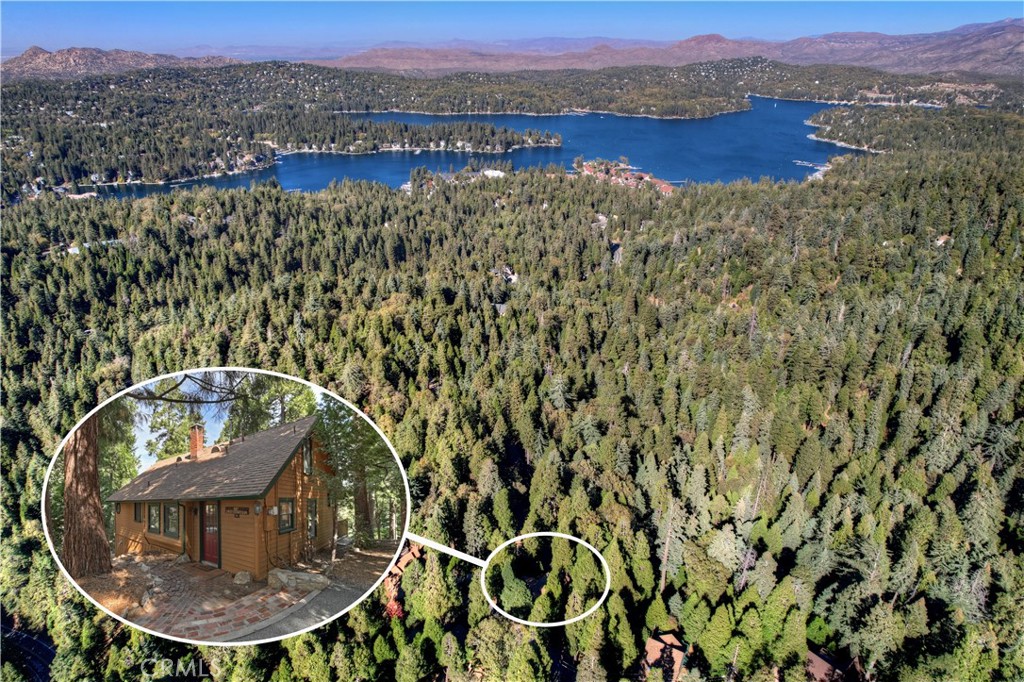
pixel 198 603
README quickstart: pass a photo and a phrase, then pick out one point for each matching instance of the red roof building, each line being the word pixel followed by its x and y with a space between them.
pixel 665 652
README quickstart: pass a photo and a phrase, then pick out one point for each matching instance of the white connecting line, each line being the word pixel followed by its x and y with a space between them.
pixel 447 550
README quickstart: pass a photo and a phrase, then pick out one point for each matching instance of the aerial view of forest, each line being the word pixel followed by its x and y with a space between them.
pixel 784 419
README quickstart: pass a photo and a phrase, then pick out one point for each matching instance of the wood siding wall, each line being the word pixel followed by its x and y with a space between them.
pixel 238 546
pixel 131 537
pixel 248 542
pixel 286 548
pixel 192 530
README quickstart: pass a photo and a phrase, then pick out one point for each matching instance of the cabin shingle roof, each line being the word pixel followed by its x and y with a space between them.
pixel 246 469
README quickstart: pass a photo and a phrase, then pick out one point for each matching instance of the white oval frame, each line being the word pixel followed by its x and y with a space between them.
pixel 546 534
pixel 384 574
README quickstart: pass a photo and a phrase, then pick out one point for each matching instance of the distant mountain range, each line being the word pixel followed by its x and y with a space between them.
pixel 265 53
pixel 72 62
pixel 545 45
pixel 994 48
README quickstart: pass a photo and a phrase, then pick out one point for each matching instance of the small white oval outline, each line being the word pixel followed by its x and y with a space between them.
pixel 332 394
pixel 546 534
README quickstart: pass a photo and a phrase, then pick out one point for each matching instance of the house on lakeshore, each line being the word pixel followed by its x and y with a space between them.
pixel 618 173
pixel 250 504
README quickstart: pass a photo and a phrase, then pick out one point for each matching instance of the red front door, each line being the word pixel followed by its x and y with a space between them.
pixel 210 530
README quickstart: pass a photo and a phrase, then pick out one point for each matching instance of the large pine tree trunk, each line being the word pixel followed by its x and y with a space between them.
pixel 373 515
pixel 86 550
pixel 334 537
pixel 393 527
pixel 364 515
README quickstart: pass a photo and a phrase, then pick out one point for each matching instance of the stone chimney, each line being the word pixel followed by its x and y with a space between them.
pixel 196 439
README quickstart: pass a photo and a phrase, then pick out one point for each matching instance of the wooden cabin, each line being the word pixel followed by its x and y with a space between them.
pixel 250 504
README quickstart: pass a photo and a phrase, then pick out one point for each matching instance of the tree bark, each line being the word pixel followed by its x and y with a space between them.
pixel 86 550
pixel 393 527
pixel 334 538
pixel 364 519
pixel 373 515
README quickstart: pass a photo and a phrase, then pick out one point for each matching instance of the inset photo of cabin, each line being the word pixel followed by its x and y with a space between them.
pixel 226 506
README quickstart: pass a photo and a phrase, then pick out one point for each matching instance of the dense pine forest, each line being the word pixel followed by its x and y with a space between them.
pixel 163 125
pixel 789 415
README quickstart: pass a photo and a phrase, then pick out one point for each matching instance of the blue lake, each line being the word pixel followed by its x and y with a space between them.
pixel 765 141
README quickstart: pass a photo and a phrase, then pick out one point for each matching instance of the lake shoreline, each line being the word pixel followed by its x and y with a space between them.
pixel 288 152
pixel 845 145
pixel 568 112
pixel 577 139
pixel 577 111
pixel 416 150
pixel 850 103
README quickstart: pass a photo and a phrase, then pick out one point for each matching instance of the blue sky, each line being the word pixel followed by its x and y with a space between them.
pixel 213 417
pixel 176 26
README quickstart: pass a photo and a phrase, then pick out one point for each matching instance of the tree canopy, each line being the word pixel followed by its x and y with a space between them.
pixel 788 414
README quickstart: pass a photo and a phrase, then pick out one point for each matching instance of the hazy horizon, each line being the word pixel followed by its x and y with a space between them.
pixel 330 29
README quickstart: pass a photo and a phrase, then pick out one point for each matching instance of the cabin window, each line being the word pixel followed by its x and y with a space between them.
pixel 311 519
pixel 154 518
pixel 307 456
pixel 138 512
pixel 286 515
pixel 171 520
pixel 117 507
